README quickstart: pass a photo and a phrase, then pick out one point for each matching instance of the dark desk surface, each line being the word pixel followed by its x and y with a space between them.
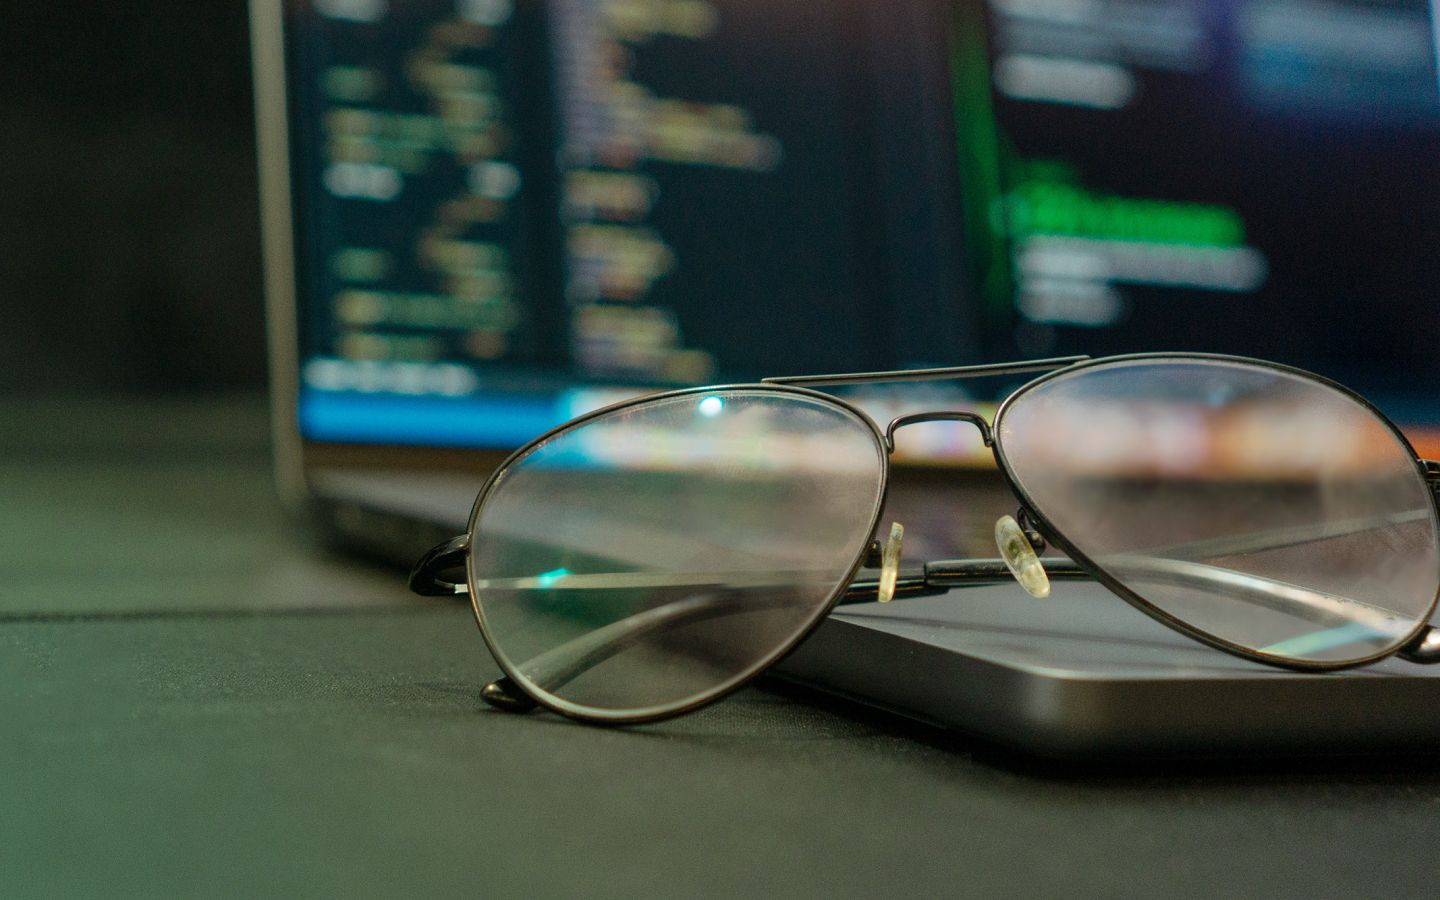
pixel 195 703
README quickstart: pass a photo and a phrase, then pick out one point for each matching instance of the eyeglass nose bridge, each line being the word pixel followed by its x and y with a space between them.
pixel 938 416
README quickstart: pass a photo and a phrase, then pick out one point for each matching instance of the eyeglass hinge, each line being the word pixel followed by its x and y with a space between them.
pixel 1424 649
pixel 504 694
pixel 446 558
pixel 1432 471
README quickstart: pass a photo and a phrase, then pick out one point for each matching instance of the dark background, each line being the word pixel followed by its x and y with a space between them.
pixel 129 236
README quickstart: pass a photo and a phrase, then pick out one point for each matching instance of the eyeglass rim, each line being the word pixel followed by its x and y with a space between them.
pixel 1057 537
pixel 595 715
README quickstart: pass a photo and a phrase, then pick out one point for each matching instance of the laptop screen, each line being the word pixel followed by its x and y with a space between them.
pixel 508 212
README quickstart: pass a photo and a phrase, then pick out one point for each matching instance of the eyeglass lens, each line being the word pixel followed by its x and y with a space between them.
pixel 1264 508
pixel 646 559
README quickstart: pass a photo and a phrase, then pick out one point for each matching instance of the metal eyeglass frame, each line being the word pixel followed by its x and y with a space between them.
pixel 1422 645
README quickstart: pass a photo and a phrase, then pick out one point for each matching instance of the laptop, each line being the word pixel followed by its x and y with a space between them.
pixel 484 217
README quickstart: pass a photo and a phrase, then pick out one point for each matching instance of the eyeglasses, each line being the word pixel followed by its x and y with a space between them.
pixel 650 557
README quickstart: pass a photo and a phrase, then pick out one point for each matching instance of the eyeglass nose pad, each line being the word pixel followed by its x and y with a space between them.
pixel 1020 558
pixel 890 562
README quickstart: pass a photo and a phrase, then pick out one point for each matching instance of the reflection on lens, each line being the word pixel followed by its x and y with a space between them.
pixel 658 554
pixel 1258 506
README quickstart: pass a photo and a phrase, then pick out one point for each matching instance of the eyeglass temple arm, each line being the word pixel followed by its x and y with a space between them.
pixel 1318 606
pixel 942 575
pixel 565 662
pixel 562 664
pixel 557 666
